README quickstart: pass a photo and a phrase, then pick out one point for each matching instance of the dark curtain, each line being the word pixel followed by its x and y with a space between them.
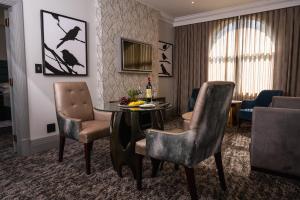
pixel 287 50
pixel 191 60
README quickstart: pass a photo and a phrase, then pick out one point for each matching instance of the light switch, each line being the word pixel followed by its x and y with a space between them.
pixel 38 68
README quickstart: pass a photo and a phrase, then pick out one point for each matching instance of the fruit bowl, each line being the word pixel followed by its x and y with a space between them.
pixel 124 102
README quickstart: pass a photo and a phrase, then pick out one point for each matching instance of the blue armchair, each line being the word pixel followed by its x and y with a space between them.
pixel 263 99
pixel 192 99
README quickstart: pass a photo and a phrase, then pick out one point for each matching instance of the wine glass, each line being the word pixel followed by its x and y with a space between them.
pixel 154 90
pixel 141 95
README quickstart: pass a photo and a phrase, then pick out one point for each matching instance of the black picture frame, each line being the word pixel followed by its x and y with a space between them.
pixel 64 45
pixel 165 59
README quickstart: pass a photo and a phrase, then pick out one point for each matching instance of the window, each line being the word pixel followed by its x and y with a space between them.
pixel 241 50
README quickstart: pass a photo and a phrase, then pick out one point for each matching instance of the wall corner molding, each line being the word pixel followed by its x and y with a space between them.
pixel 163 16
pixel 166 18
pixel 251 8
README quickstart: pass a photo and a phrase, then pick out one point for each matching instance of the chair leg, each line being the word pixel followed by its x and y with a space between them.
pixel 218 159
pixel 161 165
pixel 87 152
pixel 155 166
pixel 62 140
pixel 139 171
pixel 190 176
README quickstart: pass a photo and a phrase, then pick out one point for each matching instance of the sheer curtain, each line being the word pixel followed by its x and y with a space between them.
pixel 242 51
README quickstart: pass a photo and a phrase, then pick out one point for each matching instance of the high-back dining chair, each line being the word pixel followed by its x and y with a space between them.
pixel 202 140
pixel 77 119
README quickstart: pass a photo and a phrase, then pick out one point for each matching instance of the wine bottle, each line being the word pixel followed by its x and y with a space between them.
pixel 149 90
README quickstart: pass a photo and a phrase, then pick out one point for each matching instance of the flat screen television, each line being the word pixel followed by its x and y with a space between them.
pixel 136 56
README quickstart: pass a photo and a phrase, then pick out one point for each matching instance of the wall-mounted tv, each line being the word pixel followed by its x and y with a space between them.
pixel 136 56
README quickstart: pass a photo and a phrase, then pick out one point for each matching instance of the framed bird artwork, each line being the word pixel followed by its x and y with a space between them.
pixel 165 59
pixel 64 45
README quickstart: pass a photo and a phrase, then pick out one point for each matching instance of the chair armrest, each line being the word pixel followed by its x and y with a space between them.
pixel 275 139
pixel 176 148
pixel 70 127
pixel 247 104
pixel 102 116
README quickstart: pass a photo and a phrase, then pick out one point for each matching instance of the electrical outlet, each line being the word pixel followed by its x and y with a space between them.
pixel 38 68
pixel 50 128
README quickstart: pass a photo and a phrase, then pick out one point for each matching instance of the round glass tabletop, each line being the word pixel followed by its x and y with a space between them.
pixel 116 107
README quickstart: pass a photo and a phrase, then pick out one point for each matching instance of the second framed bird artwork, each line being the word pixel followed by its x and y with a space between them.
pixel 64 45
pixel 165 59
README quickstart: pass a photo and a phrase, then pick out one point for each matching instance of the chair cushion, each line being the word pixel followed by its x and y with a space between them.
pixel 140 146
pixel 246 114
pixel 93 130
pixel 187 116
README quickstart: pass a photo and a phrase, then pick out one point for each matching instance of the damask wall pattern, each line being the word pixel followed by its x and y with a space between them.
pixel 128 19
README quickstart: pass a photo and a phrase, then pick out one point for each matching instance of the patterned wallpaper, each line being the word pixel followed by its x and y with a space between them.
pixel 128 19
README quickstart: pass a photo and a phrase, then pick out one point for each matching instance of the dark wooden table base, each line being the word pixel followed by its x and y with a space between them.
pixel 127 128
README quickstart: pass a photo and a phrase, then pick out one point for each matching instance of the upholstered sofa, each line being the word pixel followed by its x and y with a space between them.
pixel 275 137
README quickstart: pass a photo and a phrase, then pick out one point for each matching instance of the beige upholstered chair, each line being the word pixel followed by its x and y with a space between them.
pixel 187 117
pixel 202 139
pixel 77 119
pixel 191 104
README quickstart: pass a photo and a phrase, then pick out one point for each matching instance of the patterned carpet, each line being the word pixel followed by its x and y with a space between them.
pixel 40 176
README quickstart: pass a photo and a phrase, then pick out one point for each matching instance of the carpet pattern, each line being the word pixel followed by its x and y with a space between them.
pixel 40 176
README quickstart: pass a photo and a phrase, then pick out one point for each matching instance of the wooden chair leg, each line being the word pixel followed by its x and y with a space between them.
pixel 62 140
pixel 139 171
pixel 190 176
pixel 87 152
pixel 161 165
pixel 155 166
pixel 218 159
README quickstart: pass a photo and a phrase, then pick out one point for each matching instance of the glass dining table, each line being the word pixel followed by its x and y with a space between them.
pixel 127 126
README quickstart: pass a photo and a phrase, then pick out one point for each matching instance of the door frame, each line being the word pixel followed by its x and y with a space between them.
pixel 16 60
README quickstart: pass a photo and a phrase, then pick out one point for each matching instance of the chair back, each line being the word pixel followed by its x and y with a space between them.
pixel 210 115
pixel 286 102
pixel 73 100
pixel 192 99
pixel 264 98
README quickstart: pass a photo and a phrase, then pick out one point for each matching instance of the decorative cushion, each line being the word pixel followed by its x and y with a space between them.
pixel 92 130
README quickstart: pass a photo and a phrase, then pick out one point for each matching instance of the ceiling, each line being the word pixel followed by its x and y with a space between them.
pixel 178 8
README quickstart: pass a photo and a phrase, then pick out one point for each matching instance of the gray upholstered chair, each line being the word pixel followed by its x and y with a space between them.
pixel 275 137
pixel 202 140
pixel 77 119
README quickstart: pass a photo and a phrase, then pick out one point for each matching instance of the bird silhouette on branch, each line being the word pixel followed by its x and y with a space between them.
pixel 70 35
pixel 65 64
pixel 165 47
pixel 164 70
pixel 164 58
pixel 70 59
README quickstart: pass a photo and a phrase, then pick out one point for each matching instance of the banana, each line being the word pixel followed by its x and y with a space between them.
pixel 136 103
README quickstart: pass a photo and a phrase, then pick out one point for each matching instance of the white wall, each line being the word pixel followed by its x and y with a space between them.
pixel 40 88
